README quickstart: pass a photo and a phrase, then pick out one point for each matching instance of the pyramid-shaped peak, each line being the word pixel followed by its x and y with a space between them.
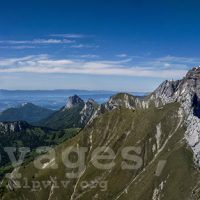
pixel 74 101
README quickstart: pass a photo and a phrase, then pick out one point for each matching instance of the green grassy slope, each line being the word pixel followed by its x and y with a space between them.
pixel 118 129
pixel 64 118
pixel 31 137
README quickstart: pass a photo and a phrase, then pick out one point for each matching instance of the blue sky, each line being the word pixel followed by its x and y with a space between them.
pixel 86 44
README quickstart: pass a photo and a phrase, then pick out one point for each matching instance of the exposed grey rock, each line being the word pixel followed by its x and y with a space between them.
pixel 123 100
pixel 88 110
pixel 185 91
pixel 73 101
pixel 193 73
pixel 13 127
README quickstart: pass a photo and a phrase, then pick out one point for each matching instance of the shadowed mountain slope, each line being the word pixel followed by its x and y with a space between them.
pixel 76 113
pixel 26 112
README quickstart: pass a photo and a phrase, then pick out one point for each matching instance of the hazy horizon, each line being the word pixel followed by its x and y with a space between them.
pixel 51 99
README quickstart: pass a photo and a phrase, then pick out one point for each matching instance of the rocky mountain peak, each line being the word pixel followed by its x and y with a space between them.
pixel 194 73
pixel 187 92
pixel 121 100
pixel 73 101
pixel 180 90
pixel 89 104
pixel 90 101
pixel 88 110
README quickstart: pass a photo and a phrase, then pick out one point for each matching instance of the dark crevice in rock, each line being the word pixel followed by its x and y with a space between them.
pixel 196 105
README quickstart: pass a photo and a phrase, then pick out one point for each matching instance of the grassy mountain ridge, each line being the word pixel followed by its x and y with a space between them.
pixel 64 118
pixel 160 134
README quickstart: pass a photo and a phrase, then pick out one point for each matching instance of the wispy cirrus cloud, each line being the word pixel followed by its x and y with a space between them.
pixel 32 44
pixel 89 56
pixel 37 41
pixel 67 42
pixel 71 35
pixel 80 46
pixel 174 59
pixel 128 67
pixel 123 55
pixel 18 47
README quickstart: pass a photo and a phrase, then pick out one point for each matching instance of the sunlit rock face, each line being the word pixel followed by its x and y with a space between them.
pixel 187 93
pixel 73 101
pixel 193 73
pixel 88 110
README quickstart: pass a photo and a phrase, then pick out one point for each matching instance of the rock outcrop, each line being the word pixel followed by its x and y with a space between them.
pixel 88 110
pixel 187 93
pixel 13 127
pixel 73 101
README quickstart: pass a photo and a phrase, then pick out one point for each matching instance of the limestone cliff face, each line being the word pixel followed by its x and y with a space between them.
pixel 13 127
pixel 73 101
pixel 88 110
pixel 187 93
pixel 170 91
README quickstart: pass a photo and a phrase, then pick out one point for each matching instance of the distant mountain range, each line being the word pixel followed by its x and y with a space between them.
pixel 76 113
pixel 26 112
pixel 51 99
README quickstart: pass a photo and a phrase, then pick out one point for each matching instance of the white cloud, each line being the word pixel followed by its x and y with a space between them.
pixel 37 41
pixel 80 46
pixel 46 64
pixel 18 47
pixel 116 62
pixel 51 41
pixel 123 55
pixel 89 56
pixel 70 35
pixel 174 59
